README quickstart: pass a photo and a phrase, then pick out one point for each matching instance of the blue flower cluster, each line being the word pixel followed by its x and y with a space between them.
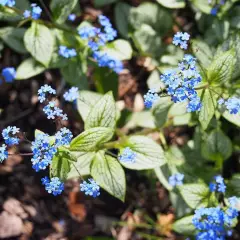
pixel 181 82
pixel 214 223
pixel 9 74
pixel 150 98
pixel 9 135
pixel 98 37
pixel 91 188
pixel 176 179
pixel 34 13
pixel 63 137
pixel 218 185
pixel 232 104
pixel 54 186
pixel 181 39
pixel 127 155
pixel 9 3
pixel 43 152
pixel 3 153
pixel 43 91
pixel 67 52
pixel 71 95
pixel 215 9
pixel 72 17
pixel 52 111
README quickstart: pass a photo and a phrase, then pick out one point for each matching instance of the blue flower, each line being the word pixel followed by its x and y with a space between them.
pixel 9 74
pixel 3 153
pixel 63 137
pixel 43 152
pixel 105 60
pixel 9 3
pixel 35 12
pixel 127 155
pixel 91 188
pixel 54 186
pixel 181 39
pixel 150 98
pixel 52 111
pixel 214 11
pixel 221 101
pixel 71 95
pixel 67 52
pixel 9 135
pixel 218 185
pixel 180 83
pixel 72 17
pixel 42 92
pixel 233 105
pixel 176 179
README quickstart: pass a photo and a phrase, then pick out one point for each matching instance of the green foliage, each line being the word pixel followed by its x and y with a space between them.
pixel 149 153
pixel 184 226
pixel 109 174
pixel 217 146
pixel 172 3
pixel 100 3
pixel 195 194
pixel 39 41
pixel 61 9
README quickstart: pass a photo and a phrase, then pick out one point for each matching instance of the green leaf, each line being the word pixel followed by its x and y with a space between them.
pixel 86 101
pixel 13 37
pixel 172 3
pixel 82 164
pixel 103 114
pixel 160 111
pixel 178 109
pixel 120 49
pixel 195 194
pixel 234 184
pixel 233 42
pixel 221 69
pixel 147 40
pixel 61 9
pixel 208 108
pixel 203 52
pixel 233 118
pixel 217 146
pixel 29 68
pixel 74 75
pixel 39 41
pixel 184 226
pixel 100 3
pixel 153 15
pixel 91 139
pixel 109 174
pixel 60 165
pixel 149 154
pixel 202 5
pixel 154 82
pixel 121 14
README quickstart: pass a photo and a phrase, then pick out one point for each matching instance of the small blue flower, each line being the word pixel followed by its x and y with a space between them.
pixel 218 185
pixel 3 153
pixel 67 52
pixel 9 3
pixel 42 92
pixel 35 12
pixel 127 155
pixel 221 101
pixel 91 188
pixel 9 74
pixel 52 111
pixel 176 179
pixel 43 152
pixel 214 11
pixel 54 186
pixel 233 105
pixel 63 137
pixel 71 95
pixel 150 98
pixel 9 135
pixel 181 39
pixel 72 17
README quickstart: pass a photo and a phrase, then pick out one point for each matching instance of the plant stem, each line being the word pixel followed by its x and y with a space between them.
pixel 77 171
pixel 202 87
pixel 163 140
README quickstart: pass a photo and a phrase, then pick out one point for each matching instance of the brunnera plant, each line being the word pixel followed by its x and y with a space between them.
pixel 198 91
